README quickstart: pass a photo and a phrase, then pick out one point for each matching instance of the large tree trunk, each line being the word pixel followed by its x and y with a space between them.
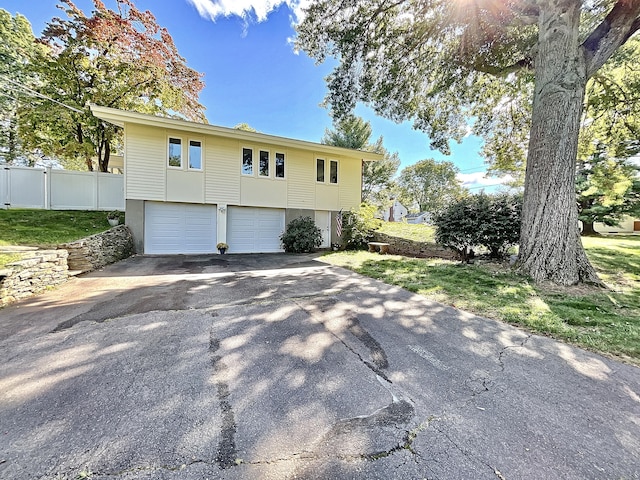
pixel 550 246
pixel 588 229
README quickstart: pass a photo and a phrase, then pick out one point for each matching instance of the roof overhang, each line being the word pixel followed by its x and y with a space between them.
pixel 122 117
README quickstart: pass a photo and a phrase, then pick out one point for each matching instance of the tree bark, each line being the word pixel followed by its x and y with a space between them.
pixel 104 162
pixel 550 245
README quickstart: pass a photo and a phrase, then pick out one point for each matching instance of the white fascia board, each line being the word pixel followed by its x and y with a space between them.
pixel 121 117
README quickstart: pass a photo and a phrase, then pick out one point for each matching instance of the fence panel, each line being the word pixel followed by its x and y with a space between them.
pixel 4 187
pixel 24 187
pixel 73 190
pixel 27 187
pixel 110 191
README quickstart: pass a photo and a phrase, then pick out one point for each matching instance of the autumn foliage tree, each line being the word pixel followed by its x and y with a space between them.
pixel 442 62
pixel 116 58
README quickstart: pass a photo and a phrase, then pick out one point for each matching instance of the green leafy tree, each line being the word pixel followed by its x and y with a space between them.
pixel 378 184
pixel 377 177
pixel 439 62
pixel 116 58
pixel 429 184
pixel 611 119
pixel 18 50
pixel 350 132
pixel 608 189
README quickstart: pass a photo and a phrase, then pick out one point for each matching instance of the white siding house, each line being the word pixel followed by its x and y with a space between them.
pixel 395 212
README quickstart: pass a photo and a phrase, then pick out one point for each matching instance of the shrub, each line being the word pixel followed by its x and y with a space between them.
pixel 301 236
pixel 358 226
pixel 491 221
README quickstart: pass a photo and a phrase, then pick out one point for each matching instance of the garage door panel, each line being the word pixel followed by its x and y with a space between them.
pixel 172 228
pixel 254 230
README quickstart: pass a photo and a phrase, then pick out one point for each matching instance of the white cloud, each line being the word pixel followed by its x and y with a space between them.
pixel 213 9
pixel 480 179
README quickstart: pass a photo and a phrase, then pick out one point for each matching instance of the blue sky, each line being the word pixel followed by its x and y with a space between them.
pixel 253 76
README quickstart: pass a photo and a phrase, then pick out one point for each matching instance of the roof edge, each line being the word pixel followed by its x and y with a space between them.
pixel 121 117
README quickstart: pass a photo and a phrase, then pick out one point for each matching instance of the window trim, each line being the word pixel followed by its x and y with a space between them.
pixel 174 167
pixel 242 172
pixel 201 168
pixel 337 172
pixel 284 166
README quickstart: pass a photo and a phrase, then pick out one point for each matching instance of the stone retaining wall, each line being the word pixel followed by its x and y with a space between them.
pixel 409 248
pixel 34 273
pixel 101 249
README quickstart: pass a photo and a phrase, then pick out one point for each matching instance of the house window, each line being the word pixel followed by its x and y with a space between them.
pixel 195 155
pixel 279 165
pixel 175 152
pixel 333 171
pixel 264 164
pixel 319 170
pixel 247 161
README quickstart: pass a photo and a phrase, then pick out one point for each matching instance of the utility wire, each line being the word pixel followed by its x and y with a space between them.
pixel 38 94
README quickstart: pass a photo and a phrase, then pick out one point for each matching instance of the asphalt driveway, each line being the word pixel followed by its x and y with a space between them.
pixel 279 366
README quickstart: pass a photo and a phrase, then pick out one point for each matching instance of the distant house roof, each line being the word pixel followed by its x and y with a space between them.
pixel 417 215
pixel 120 117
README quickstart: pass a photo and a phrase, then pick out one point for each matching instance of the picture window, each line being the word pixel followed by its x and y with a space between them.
pixel 279 165
pixel 175 152
pixel 264 163
pixel 333 171
pixel 195 155
pixel 247 161
pixel 320 170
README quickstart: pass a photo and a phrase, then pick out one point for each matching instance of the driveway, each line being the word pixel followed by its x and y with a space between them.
pixel 280 366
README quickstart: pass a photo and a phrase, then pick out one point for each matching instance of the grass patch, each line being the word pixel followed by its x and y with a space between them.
pixel 410 231
pixel 6 258
pixel 46 228
pixel 606 321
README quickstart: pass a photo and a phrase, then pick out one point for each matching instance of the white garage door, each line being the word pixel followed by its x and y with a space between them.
pixel 179 228
pixel 254 230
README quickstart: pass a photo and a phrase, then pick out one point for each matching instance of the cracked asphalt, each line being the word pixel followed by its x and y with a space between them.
pixel 280 366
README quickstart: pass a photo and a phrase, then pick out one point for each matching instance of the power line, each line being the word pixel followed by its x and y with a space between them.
pixel 38 94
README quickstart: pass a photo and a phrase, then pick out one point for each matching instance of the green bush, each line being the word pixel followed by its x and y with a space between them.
pixel 491 221
pixel 358 226
pixel 301 236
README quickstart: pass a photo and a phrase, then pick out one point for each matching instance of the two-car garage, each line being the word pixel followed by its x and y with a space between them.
pixel 175 228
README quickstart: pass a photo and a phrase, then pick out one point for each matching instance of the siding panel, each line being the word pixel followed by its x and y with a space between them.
pixel 222 170
pixel 350 183
pixel 301 185
pixel 145 156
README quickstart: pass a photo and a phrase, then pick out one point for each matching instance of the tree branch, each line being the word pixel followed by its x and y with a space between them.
pixel 621 22
pixel 525 63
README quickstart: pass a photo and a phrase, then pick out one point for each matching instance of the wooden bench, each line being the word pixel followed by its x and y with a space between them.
pixel 378 247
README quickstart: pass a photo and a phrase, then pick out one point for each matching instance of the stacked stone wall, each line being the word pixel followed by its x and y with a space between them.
pixel 34 273
pixel 38 270
pixel 96 251
pixel 410 248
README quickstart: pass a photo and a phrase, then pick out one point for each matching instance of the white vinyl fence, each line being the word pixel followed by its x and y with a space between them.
pixel 24 187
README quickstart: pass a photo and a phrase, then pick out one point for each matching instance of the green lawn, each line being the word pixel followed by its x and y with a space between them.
pixel 607 321
pixel 415 232
pixel 46 228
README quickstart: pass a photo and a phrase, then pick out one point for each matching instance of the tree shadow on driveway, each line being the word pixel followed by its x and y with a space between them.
pixel 303 371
